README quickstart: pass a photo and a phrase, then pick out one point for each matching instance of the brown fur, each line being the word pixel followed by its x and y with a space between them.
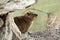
pixel 24 22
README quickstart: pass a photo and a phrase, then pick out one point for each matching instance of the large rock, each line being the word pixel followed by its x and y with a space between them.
pixel 12 5
pixel 50 34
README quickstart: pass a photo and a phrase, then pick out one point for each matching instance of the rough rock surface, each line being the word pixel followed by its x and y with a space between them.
pixel 50 34
pixel 10 30
pixel 12 5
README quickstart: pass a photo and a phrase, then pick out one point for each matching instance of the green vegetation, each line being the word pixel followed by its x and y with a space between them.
pixel 52 6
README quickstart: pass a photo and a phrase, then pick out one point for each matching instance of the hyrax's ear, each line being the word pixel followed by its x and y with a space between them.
pixel 28 12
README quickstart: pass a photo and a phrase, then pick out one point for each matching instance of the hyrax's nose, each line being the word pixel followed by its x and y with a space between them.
pixel 35 14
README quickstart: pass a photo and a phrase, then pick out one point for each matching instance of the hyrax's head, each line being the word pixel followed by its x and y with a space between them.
pixel 31 14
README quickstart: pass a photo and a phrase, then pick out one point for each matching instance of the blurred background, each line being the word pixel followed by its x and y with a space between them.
pixel 46 6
